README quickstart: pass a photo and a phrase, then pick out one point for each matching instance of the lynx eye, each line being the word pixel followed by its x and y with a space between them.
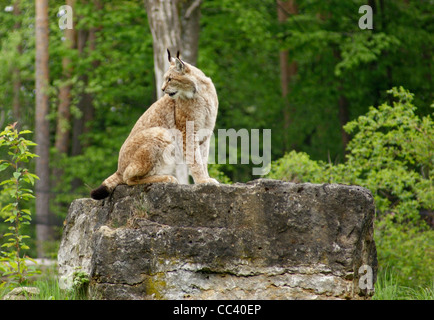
pixel 168 80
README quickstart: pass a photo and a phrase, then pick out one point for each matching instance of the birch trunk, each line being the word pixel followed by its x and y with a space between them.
pixel 166 34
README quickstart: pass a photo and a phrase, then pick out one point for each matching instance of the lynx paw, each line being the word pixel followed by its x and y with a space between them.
pixel 208 180
pixel 172 179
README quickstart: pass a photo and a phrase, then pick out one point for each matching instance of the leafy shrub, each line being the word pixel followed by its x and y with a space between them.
pixel 215 172
pixel 13 262
pixel 391 154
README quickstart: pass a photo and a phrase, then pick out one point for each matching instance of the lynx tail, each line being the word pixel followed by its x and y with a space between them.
pixel 104 190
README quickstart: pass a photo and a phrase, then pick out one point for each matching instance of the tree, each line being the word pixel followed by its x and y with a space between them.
pixel 63 130
pixel 16 77
pixel 44 231
pixel 166 32
pixel 86 44
pixel 287 70
pixel 190 29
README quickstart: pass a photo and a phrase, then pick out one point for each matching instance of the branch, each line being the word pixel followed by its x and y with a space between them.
pixel 192 7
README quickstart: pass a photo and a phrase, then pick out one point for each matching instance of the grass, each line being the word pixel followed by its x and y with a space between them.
pixel 388 287
pixel 49 290
pixel 48 285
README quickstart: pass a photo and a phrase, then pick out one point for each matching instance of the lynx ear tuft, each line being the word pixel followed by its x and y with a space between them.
pixel 177 54
pixel 168 55
pixel 180 66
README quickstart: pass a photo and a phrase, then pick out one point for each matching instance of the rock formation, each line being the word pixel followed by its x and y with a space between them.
pixel 265 239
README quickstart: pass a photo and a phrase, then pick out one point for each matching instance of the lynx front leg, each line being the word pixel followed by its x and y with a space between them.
pixel 199 167
pixel 204 151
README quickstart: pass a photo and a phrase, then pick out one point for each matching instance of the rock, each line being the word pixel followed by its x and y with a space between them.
pixel 266 239
pixel 21 293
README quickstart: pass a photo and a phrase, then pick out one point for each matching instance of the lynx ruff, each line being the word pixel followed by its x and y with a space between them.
pixel 183 118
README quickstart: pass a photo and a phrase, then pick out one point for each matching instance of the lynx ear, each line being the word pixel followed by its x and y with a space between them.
pixel 168 55
pixel 180 66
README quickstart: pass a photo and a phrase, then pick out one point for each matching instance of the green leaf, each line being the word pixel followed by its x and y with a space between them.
pixel 4 165
pixel 7 207
pixel 7 245
pixel 27 196
pixel 7 182
pixel 32 260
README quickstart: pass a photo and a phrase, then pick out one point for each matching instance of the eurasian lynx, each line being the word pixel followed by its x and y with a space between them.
pixel 147 154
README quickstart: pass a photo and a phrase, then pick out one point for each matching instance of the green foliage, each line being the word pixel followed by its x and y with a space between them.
pixel 391 154
pixel 80 282
pixel 215 172
pixel 13 262
pixel 298 167
pixel 335 59
pixel 406 248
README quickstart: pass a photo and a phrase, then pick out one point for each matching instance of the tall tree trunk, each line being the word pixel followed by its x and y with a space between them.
pixel 63 126
pixel 343 117
pixel 85 103
pixel 190 29
pixel 44 231
pixel 175 31
pixel 63 129
pixel 89 113
pixel 287 70
pixel 16 77
pixel 166 34
pixel 78 125
pixel 343 106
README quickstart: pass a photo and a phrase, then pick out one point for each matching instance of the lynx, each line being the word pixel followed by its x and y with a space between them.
pixel 147 155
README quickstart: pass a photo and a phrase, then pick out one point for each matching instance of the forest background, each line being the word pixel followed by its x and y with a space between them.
pixel 302 68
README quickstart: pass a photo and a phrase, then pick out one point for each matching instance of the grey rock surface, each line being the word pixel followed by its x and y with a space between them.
pixel 266 239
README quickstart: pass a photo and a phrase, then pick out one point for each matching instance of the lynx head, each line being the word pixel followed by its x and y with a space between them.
pixel 179 80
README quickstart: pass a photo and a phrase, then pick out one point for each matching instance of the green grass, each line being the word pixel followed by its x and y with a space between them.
pixel 49 290
pixel 388 287
pixel 48 285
